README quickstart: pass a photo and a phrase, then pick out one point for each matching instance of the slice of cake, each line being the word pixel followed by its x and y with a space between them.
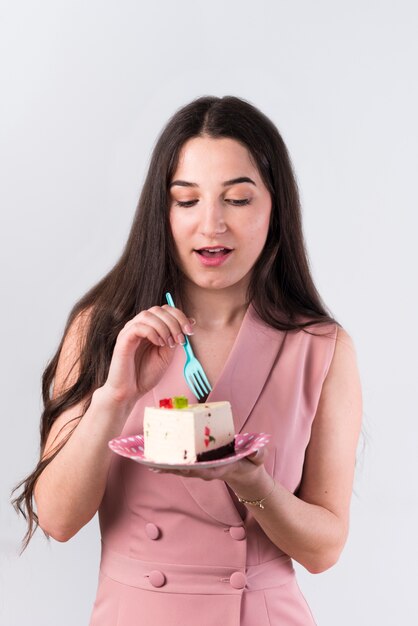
pixel 177 432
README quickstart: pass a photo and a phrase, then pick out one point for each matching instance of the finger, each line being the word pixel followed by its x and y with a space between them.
pixel 170 323
pixel 182 473
pixel 171 336
pixel 130 336
pixel 257 457
pixel 167 325
pixel 185 322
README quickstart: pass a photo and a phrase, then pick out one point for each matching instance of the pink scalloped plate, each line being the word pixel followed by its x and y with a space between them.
pixel 133 448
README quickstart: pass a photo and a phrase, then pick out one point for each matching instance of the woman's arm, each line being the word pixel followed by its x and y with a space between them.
pixel 312 526
pixel 70 488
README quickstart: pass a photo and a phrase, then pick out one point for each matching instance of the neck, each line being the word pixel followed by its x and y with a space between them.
pixel 214 309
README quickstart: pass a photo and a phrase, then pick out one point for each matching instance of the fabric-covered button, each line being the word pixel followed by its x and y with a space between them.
pixel 238 580
pixel 153 532
pixel 237 532
pixel 157 578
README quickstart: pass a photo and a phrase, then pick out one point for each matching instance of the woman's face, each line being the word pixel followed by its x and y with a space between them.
pixel 218 202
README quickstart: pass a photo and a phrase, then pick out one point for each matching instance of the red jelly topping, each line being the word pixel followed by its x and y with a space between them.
pixel 166 403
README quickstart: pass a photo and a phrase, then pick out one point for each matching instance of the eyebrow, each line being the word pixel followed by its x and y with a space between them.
pixel 233 181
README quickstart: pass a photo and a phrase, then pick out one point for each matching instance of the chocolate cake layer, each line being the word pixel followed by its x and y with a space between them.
pixel 219 453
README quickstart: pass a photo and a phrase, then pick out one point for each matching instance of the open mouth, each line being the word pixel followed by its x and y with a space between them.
pixel 213 253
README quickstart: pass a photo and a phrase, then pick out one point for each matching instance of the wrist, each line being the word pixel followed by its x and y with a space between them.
pixel 258 502
pixel 251 485
pixel 107 400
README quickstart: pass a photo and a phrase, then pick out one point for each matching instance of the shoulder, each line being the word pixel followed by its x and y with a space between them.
pixel 344 359
pixel 343 339
pixel 338 358
pixel 66 374
pixel 72 346
pixel 341 394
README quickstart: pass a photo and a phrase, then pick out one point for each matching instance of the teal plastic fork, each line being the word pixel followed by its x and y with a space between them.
pixel 193 371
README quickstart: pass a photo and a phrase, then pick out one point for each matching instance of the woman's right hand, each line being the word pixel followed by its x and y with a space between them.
pixel 143 351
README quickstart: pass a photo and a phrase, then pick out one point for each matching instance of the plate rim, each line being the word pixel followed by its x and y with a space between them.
pixel 198 464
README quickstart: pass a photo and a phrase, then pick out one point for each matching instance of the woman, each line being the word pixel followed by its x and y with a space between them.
pixel 218 225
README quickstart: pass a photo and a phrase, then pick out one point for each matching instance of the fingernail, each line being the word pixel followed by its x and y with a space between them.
pixel 162 342
pixel 188 329
pixel 181 339
pixel 171 342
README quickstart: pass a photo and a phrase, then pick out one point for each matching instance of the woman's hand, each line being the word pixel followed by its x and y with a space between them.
pixel 143 351
pixel 242 475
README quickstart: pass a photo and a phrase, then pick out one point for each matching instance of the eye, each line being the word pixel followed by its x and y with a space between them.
pixel 190 203
pixel 239 202
pixel 187 203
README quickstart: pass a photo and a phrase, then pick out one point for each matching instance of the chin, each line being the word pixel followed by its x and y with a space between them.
pixel 216 283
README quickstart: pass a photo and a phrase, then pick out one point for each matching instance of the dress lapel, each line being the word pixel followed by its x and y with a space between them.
pixel 252 357
pixel 256 348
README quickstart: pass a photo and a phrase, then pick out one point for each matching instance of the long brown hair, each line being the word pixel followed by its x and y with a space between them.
pixel 281 288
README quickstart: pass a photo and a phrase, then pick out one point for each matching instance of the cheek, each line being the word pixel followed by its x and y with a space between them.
pixel 181 221
pixel 260 227
pixel 173 219
pixel 182 232
pixel 177 228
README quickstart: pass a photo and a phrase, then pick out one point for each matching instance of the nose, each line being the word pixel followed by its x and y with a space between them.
pixel 212 220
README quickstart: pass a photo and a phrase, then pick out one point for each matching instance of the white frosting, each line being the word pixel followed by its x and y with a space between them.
pixel 179 435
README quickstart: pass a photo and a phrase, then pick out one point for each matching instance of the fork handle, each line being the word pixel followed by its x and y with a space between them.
pixel 169 299
pixel 187 346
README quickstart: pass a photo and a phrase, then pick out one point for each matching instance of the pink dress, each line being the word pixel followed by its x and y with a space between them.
pixel 179 551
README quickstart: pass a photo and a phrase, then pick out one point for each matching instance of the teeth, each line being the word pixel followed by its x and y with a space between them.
pixel 214 249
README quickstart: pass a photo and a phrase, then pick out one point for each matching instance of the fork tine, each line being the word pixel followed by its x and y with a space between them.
pixel 192 385
pixel 205 379
pixel 198 384
pixel 200 376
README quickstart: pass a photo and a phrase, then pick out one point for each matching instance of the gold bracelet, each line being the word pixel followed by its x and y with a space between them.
pixel 258 503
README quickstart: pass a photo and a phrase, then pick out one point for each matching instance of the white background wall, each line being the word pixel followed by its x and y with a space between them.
pixel 85 89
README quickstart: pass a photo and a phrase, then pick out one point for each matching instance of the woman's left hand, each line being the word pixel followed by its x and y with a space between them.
pixel 243 471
